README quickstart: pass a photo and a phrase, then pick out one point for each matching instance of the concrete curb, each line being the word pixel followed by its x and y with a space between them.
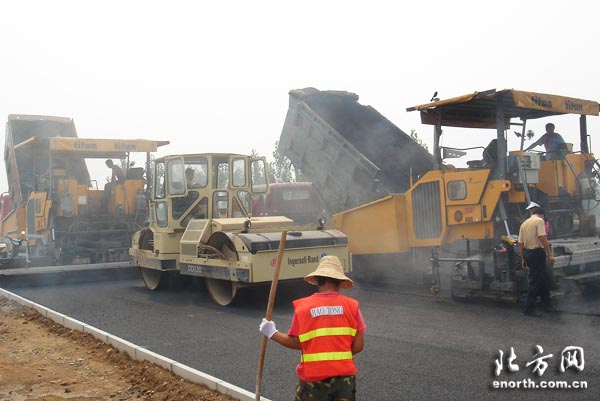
pixel 138 353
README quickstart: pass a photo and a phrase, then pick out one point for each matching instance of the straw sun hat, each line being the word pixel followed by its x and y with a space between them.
pixel 330 266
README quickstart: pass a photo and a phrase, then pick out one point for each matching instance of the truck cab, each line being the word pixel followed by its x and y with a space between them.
pixel 297 200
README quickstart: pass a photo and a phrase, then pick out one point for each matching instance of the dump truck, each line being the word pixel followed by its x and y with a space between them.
pixel 469 216
pixel 53 212
pixel 350 152
pixel 201 226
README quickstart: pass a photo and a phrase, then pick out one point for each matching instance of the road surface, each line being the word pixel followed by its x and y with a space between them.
pixel 417 347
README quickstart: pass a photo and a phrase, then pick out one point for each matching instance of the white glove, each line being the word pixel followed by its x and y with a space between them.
pixel 267 328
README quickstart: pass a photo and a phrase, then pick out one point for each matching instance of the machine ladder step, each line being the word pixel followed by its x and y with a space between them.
pixel 583 278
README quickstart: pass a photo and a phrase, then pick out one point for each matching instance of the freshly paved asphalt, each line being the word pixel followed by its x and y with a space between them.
pixel 417 347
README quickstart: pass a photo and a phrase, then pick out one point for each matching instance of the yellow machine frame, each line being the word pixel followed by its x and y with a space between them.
pixel 58 196
pixel 393 224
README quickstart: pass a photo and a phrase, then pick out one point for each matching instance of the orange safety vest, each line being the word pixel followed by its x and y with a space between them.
pixel 327 329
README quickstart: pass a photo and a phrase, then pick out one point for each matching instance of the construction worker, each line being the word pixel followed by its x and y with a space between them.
pixel 533 249
pixel 553 142
pixel 117 177
pixel 117 173
pixel 328 328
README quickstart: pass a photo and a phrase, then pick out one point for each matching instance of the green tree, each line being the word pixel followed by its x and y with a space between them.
pixel 281 168
pixel 415 137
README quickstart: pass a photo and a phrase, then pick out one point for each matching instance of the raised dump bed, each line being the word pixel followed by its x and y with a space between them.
pixel 26 171
pixel 350 152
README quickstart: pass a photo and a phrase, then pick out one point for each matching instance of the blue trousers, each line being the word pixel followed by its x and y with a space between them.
pixel 538 280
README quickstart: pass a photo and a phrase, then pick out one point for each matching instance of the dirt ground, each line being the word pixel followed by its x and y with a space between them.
pixel 43 361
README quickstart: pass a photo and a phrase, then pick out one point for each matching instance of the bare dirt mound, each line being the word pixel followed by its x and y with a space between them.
pixel 43 361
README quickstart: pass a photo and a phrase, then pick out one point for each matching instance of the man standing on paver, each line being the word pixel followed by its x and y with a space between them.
pixel 328 328
pixel 553 142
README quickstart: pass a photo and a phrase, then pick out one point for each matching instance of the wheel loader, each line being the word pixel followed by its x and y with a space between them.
pixel 201 226
pixel 470 216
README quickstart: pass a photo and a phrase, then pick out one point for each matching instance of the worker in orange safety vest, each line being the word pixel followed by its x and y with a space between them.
pixel 328 328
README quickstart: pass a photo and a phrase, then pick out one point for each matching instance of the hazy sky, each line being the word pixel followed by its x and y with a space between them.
pixel 214 76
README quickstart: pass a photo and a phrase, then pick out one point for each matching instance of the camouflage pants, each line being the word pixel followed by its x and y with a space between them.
pixel 339 388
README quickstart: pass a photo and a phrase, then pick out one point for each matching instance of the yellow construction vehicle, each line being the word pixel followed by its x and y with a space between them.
pixel 54 213
pixel 470 216
pixel 201 226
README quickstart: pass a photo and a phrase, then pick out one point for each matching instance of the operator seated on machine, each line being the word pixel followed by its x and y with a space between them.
pixel 190 178
pixel 489 156
pixel 555 145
